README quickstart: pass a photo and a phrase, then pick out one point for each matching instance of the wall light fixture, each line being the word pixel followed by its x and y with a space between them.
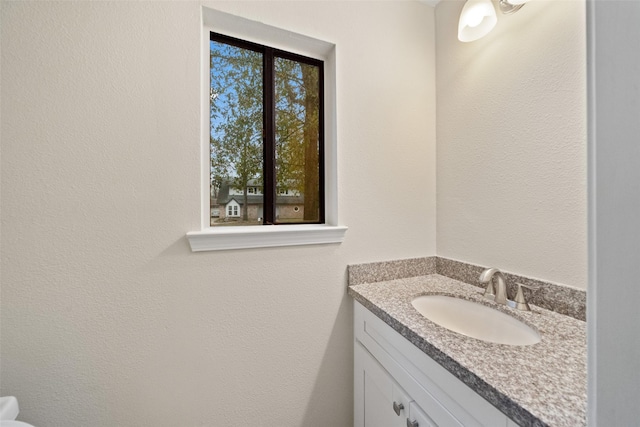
pixel 478 17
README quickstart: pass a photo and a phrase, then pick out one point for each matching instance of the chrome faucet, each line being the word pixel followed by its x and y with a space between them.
pixel 500 294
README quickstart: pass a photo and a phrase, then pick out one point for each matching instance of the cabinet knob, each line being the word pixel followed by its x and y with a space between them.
pixel 397 407
pixel 412 423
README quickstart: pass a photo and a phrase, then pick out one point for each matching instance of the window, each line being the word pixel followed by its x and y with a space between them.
pixel 267 130
pixel 232 210
pixel 284 232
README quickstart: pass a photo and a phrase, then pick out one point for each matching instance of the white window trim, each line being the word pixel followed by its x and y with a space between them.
pixel 241 237
pixel 260 236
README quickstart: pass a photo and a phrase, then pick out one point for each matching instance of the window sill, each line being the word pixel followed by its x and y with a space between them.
pixel 224 238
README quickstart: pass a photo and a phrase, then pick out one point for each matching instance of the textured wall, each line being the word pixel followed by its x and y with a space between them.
pixel 511 131
pixel 108 319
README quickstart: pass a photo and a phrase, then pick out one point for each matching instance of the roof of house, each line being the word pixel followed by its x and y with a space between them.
pixel 224 197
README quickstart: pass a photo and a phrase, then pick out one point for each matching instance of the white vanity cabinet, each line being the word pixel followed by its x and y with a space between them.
pixel 396 384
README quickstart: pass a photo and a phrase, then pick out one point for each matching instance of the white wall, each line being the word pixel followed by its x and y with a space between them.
pixel 614 214
pixel 511 131
pixel 107 317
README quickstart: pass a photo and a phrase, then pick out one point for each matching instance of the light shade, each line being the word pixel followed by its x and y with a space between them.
pixel 477 19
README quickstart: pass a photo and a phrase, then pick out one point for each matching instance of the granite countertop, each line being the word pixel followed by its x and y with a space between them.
pixel 544 384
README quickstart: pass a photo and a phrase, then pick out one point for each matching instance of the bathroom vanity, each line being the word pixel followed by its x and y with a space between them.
pixel 412 372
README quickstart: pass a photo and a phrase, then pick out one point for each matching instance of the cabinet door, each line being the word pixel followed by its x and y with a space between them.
pixel 384 403
pixel 417 418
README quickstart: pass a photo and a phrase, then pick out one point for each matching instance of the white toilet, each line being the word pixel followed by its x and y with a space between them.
pixel 9 411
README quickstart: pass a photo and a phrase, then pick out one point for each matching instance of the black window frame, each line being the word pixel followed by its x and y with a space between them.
pixel 269 190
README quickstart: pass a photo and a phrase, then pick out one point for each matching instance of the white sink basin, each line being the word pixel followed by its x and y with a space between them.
pixel 475 320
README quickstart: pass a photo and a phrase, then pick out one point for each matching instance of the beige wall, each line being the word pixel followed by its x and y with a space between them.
pixel 108 319
pixel 511 131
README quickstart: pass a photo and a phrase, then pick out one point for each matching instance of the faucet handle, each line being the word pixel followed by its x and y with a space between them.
pixel 520 301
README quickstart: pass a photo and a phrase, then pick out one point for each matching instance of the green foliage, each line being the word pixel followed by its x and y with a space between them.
pixel 292 118
pixel 236 115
